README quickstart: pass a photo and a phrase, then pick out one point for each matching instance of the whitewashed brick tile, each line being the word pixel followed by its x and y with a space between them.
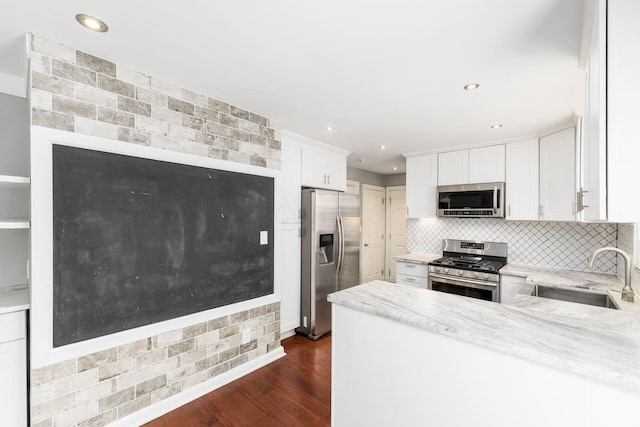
pixel 96 128
pixel 151 97
pixel 55 50
pixel 41 99
pixel 192 356
pixel 41 393
pixel 165 366
pixel 166 115
pixel 167 338
pixel 208 338
pixel 194 380
pixel 195 98
pixel 50 408
pixel 97 96
pixel 165 392
pixel 116 399
pixel 218 347
pixel 96 392
pixel 52 372
pixel 131 76
pixel 177 375
pixel 75 382
pixel 101 420
pixel 184 134
pixel 130 379
pixel 114 369
pixel 150 357
pixel 133 348
pixel 236 156
pixel 164 142
pixel 40 63
pixel 166 88
pixel 153 126
pixel 74 416
pixel 134 406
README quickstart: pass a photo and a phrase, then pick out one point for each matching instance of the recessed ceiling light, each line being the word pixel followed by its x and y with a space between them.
pixel 361 160
pixel 496 126
pixel 395 168
pixel 471 86
pixel 329 128
pixel 92 23
pixel 382 147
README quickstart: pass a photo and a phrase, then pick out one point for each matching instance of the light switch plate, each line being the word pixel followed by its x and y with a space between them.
pixel 264 237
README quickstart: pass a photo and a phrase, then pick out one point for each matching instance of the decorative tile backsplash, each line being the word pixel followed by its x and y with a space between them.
pixel 547 244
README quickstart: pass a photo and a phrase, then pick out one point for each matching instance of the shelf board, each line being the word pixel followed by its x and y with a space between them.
pixel 14 224
pixel 10 181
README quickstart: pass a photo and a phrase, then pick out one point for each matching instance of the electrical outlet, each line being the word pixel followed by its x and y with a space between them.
pixel 264 237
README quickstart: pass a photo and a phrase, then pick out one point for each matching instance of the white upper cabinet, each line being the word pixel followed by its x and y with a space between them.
pixel 473 166
pixel 422 180
pixel 558 176
pixel 324 169
pixel 611 148
pixel 290 183
pixel 487 164
pixel 522 180
pixel 322 165
pixel 453 167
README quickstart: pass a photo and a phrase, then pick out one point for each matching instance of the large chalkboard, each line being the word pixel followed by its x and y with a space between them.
pixel 139 241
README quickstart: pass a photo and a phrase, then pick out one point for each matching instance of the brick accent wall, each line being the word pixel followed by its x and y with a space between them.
pixel 78 92
pixel 99 388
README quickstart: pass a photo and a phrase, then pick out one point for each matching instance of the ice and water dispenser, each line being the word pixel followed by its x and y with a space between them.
pixel 326 249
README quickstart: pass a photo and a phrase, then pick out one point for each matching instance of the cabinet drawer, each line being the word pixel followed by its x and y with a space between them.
pixel 412 269
pixel 415 281
pixel 13 326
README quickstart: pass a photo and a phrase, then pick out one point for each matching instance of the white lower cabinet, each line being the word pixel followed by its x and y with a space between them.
pixel 512 286
pixel 13 368
pixel 412 274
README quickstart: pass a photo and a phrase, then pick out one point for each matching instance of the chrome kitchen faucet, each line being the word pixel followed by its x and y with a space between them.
pixel 627 290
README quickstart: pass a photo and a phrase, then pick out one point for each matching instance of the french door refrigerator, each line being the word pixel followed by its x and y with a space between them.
pixel 330 261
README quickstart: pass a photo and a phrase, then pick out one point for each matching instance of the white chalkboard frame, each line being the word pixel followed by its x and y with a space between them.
pixel 41 263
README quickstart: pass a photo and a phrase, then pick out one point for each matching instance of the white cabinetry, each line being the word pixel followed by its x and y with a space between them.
pixel 288 217
pixel 412 274
pixel 324 169
pixel 473 166
pixel 486 164
pixel 558 176
pixel 422 180
pixel 512 286
pixel 13 368
pixel 611 113
pixel 522 180
pixel 453 167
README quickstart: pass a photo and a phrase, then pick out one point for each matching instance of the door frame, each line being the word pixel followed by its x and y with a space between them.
pixel 387 228
pixel 362 226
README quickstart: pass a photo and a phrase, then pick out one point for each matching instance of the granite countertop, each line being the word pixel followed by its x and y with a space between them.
pixel 417 258
pixel 599 343
pixel 14 298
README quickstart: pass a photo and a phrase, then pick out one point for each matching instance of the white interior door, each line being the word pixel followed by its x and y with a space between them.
pixel 373 224
pixel 396 228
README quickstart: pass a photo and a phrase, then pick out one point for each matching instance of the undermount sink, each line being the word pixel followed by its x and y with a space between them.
pixel 577 296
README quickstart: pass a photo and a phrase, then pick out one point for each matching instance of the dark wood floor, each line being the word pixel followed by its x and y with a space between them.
pixel 292 391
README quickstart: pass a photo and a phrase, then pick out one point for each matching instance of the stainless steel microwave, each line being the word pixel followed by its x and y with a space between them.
pixel 471 200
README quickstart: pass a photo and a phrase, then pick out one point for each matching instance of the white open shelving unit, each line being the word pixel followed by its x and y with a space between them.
pixel 19 182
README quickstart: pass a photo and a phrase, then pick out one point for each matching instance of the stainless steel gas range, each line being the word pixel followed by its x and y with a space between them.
pixel 469 268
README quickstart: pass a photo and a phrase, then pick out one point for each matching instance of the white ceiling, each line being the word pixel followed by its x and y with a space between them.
pixel 381 71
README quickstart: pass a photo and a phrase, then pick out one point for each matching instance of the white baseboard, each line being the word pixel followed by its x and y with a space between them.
pixel 287 334
pixel 169 404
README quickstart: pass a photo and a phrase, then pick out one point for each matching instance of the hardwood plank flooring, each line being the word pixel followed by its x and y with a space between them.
pixel 292 391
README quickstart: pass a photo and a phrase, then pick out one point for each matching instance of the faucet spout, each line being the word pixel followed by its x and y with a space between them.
pixel 627 290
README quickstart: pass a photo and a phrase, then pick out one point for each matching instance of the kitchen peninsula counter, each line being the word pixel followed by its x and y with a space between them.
pixel 590 343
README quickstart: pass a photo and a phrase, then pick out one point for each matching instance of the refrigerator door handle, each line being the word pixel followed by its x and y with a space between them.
pixel 340 244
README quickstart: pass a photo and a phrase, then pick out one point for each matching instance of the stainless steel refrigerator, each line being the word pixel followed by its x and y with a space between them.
pixel 330 240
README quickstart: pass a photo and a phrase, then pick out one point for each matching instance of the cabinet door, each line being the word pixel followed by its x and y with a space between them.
pixel 594 144
pixel 290 277
pixel 415 281
pixel 558 176
pixel 453 167
pixel 522 180
pixel 323 169
pixel 289 210
pixel 422 180
pixel 487 164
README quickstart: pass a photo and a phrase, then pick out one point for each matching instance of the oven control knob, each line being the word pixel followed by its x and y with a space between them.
pixel 446 270
pixel 436 269
pixel 485 276
pixel 459 272
pixel 475 275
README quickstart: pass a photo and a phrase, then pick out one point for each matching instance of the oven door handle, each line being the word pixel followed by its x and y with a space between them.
pixel 495 199
pixel 459 280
